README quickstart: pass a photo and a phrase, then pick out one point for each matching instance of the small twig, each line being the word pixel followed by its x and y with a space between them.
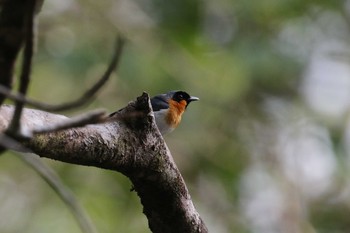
pixel 7 142
pixel 52 179
pixel 93 117
pixel 26 65
pixel 12 19
pixel 80 101
pixel 87 96
pixel 20 97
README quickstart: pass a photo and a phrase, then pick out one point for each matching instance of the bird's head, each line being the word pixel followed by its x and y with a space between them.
pixel 181 97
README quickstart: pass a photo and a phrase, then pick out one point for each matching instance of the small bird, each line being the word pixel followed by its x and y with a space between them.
pixel 168 109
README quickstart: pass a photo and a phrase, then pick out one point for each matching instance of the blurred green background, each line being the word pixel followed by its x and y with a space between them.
pixel 266 150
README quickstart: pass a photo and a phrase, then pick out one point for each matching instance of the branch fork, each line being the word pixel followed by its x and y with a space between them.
pixel 128 142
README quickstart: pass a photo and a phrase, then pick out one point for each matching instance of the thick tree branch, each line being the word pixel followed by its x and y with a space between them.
pixel 131 144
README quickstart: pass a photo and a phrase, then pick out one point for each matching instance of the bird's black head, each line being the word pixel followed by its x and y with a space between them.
pixel 178 96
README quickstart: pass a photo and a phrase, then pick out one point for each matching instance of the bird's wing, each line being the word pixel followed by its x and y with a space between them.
pixel 159 102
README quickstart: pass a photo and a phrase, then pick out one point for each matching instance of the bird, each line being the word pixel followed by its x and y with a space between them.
pixel 168 109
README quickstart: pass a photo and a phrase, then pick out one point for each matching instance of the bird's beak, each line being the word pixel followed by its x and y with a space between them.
pixel 192 98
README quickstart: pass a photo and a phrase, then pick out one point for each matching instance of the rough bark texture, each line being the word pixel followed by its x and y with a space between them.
pixel 131 144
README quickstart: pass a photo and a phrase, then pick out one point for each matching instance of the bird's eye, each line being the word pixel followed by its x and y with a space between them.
pixel 181 96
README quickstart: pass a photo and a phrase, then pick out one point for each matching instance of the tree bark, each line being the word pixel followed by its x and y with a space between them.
pixel 129 143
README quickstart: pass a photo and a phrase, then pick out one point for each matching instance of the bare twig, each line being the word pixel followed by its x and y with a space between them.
pixel 11 37
pixel 94 117
pixel 54 181
pixel 8 142
pixel 80 101
pixel 26 65
pixel 19 97
pixel 87 96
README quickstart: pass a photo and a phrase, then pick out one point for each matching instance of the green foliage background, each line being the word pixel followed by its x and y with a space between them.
pixel 265 150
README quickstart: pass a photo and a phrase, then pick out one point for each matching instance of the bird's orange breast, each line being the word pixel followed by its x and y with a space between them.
pixel 175 112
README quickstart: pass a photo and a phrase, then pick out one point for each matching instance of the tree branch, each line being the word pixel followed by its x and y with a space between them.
pixel 26 66
pixel 54 181
pixel 90 93
pixel 131 144
pixel 83 99
pixel 12 19
pixel 93 117
pixel 63 192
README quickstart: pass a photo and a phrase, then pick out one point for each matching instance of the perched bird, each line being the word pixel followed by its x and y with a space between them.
pixel 168 109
